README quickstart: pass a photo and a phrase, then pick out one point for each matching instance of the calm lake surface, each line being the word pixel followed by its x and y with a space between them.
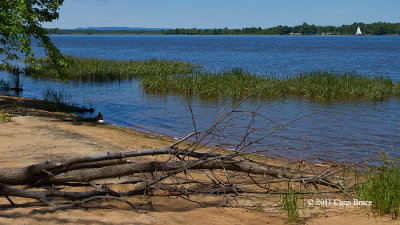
pixel 342 131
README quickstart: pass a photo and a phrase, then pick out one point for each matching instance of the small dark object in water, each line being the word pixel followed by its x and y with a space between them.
pixel 99 116
pixel 17 89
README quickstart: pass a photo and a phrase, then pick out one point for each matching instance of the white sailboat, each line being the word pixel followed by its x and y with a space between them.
pixel 358 33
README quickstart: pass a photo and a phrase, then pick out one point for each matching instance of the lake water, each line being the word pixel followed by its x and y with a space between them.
pixel 342 131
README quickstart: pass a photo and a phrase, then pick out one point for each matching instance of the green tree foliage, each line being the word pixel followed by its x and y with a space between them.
pixel 20 24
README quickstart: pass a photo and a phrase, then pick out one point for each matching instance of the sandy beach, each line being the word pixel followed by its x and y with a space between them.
pixel 34 135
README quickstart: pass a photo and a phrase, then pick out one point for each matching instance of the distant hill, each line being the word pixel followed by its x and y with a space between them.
pixel 118 28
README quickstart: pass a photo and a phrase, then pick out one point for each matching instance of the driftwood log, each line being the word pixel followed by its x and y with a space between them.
pixel 85 169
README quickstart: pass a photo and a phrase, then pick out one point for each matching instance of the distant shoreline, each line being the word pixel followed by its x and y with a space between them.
pixel 379 28
pixel 300 35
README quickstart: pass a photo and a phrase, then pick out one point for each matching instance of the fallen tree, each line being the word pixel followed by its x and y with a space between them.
pixel 51 176
pixel 85 169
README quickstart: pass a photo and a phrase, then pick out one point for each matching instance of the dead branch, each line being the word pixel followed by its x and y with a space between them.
pixel 44 195
pixel 94 198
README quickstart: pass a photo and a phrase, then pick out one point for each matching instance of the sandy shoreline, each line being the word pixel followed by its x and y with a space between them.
pixel 33 136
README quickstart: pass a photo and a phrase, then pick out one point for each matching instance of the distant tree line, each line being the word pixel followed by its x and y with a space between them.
pixel 379 28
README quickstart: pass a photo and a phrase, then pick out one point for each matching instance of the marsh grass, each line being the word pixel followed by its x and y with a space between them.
pixel 100 70
pixel 236 83
pixel 51 96
pixel 4 84
pixel 382 187
pixel 174 77
pixel 61 102
pixel 15 84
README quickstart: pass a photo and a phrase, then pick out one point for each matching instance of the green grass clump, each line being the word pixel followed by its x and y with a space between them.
pixel 100 70
pixel 313 85
pixel 290 205
pixel 382 187
pixel 5 117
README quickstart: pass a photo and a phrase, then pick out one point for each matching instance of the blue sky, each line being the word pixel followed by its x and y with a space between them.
pixel 222 13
